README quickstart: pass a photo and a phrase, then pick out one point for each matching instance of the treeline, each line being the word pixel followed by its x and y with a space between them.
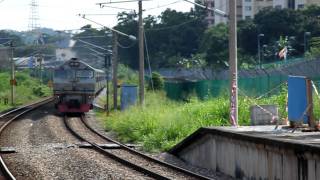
pixel 30 43
pixel 177 39
pixel 181 39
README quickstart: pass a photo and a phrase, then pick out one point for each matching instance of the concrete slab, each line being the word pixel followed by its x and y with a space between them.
pixel 6 150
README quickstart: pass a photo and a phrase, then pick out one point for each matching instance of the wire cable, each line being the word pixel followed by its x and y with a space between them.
pixel 173 26
pixel 216 11
pixel 148 59
pixel 126 47
pixel 161 6
pixel 126 9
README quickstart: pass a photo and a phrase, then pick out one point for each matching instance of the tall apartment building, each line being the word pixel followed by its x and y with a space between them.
pixel 248 8
pixel 222 5
pixel 210 15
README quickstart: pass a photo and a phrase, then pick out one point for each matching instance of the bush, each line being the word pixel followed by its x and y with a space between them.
pixel 38 91
pixel 156 81
pixel 162 123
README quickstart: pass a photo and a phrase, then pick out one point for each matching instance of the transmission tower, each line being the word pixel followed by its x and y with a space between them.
pixel 34 16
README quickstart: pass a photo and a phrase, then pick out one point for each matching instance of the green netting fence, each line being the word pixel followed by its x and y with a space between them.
pixel 205 89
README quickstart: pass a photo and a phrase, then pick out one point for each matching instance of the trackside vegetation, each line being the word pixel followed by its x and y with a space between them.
pixel 162 123
pixel 28 89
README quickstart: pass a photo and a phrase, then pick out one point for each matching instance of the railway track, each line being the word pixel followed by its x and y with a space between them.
pixel 7 117
pixel 129 157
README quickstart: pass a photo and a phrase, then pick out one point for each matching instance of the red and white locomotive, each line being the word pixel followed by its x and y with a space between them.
pixel 76 84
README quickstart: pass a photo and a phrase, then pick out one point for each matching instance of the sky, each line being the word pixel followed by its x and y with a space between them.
pixel 62 14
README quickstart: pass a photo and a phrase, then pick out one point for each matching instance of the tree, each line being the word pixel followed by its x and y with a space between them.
pixel 247 35
pixel 215 45
pixel 91 35
pixel 6 36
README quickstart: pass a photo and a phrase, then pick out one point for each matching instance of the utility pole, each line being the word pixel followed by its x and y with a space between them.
pixel 13 79
pixel 259 49
pixel 233 62
pixel 115 68
pixel 40 66
pixel 141 56
pixel 107 68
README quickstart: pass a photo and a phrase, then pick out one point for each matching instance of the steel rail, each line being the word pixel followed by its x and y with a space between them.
pixel 113 156
pixel 25 109
pixel 22 107
pixel 125 147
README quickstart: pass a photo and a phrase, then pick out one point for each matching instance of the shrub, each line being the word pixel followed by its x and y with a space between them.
pixel 38 91
pixel 156 81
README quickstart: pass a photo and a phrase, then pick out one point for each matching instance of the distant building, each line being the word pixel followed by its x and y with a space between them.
pixel 210 14
pixel 247 9
pixel 4 58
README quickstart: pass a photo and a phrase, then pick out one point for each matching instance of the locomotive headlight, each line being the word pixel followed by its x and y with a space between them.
pixel 74 64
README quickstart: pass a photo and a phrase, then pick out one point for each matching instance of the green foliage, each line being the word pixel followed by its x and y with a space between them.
pixel 314 51
pixel 38 91
pixel 177 39
pixel 162 123
pixel 91 35
pixel 127 75
pixel 195 61
pixel 6 36
pixel 156 82
pixel 27 89
pixel 172 33
pixel 215 45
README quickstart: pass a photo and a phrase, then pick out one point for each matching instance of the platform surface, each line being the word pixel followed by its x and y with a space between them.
pixel 281 133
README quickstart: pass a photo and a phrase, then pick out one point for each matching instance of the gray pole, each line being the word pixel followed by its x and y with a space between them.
pixel 305 41
pixel 259 49
pixel 141 56
pixel 115 69
pixel 41 59
pixel 107 66
pixel 13 79
pixel 259 54
pixel 233 62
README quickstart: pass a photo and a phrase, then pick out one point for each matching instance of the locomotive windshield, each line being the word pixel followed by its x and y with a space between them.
pixel 84 74
pixel 63 74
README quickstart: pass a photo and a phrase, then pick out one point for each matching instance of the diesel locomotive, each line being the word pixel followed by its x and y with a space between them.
pixel 75 85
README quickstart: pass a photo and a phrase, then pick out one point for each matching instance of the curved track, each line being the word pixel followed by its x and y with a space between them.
pixel 8 117
pixel 118 155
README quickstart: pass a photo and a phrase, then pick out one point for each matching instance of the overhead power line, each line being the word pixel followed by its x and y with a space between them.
pixel 126 9
pixel 164 5
pixel 88 37
pixel 93 45
pixel 114 30
pixel 123 1
pixel 101 14
pixel 173 26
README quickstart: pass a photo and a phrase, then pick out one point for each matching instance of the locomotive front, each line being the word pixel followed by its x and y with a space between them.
pixel 74 86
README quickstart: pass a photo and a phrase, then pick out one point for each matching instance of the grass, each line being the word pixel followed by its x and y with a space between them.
pixel 27 89
pixel 162 123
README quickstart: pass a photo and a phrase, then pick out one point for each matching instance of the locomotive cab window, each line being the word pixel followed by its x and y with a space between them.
pixel 84 74
pixel 63 74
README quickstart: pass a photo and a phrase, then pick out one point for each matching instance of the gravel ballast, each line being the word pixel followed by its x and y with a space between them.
pixel 46 150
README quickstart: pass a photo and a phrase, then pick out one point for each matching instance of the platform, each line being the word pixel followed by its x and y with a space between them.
pixel 254 152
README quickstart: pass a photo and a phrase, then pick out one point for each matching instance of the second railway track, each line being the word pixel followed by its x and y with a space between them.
pixel 129 157
pixel 7 118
